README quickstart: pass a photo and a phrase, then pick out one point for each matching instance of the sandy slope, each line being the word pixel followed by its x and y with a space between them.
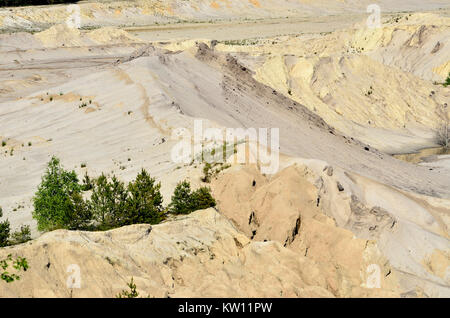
pixel 155 94
pixel 382 79
pixel 111 100
pixel 290 208
pixel 201 255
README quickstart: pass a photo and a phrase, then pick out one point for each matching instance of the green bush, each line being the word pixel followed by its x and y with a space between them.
pixel 129 294
pixel 80 217
pixel 4 233
pixel 114 205
pixel 108 202
pixel 144 203
pixel 56 198
pixel 181 199
pixel 207 172
pixel 6 238
pixel 59 203
pixel 202 199
pixel 210 170
pixel 447 81
pixel 184 201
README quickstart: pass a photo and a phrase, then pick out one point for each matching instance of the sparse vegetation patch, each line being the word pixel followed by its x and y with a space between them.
pixel 19 264
pixel 60 203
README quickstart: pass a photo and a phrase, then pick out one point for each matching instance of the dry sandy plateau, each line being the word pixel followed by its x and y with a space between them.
pixel 362 191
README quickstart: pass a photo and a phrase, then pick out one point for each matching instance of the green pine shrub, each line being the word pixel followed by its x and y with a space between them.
pixel 144 203
pixel 202 199
pixel 184 201
pixel 108 202
pixel 4 233
pixel 181 199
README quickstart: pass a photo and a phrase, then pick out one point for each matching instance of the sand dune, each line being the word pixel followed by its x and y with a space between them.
pixel 201 255
pixel 344 97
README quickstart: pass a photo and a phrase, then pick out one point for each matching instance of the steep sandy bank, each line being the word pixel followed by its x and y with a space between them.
pixel 319 210
pixel 106 101
pixel 201 255
pixel 377 84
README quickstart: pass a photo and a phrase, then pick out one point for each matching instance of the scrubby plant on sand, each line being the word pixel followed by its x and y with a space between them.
pixel 215 160
pixel 202 199
pixel 129 294
pixel 18 264
pixel 212 170
pixel 7 238
pixel 87 183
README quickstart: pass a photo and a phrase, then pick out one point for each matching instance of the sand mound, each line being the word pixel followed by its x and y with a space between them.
pixel 318 211
pixel 201 255
pixel 269 211
pixel 62 35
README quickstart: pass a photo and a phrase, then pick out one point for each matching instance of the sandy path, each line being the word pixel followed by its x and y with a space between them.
pixel 222 31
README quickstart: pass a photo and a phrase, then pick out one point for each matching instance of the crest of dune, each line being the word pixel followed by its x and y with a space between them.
pixel 62 35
